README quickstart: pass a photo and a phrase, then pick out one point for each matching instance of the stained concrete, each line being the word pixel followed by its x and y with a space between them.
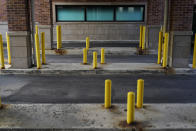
pixel 159 117
pixel 79 68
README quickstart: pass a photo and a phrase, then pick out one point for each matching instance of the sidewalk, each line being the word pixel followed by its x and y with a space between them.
pixel 159 117
pixel 109 51
pixel 79 68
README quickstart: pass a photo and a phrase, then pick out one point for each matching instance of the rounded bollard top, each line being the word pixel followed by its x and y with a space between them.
pixel 108 80
pixel 131 93
pixel 141 80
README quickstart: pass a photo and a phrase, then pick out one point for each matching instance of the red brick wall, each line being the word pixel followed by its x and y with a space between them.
pixel 43 11
pixel 155 12
pixel 18 15
pixel 3 11
pixel 99 0
pixel 181 15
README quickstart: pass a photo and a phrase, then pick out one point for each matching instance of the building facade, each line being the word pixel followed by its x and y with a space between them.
pixel 104 20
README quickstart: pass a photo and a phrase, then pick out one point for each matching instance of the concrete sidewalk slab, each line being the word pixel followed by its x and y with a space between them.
pixel 78 68
pixel 109 51
pixel 159 117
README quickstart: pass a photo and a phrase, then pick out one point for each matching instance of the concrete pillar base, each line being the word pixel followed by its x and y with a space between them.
pixel 20 49
pixel 180 49
pixel 48 35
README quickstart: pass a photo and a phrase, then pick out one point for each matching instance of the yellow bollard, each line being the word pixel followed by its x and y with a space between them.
pixel 36 30
pixel 165 52
pixel 58 37
pixel 140 93
pixel 108 87
pixel 94 60
pixel 8 48
pixel 0 103
pixel 84 56
pixel 37 51
pixel 141 29
pixel 160 47
pixel 194 54
pixel 143 37
pixel 43 48
pixel 102 56
pixel 87 43
pixel 130 107
pixel 2 53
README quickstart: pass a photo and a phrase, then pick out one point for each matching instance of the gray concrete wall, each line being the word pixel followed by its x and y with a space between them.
pixel 99 31
pixel 3 30
pixel 181 43
pixel 153 37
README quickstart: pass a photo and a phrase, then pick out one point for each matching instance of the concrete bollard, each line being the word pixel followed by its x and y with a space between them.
pixel 194 54
pixel 8 48
pixel 0 103
pixel 84 56
pixel 130 107
pixel 58 37
pixel 2 53
pixel 36 29
pixel 160 47
pixel 43 48
pixel 108 88
pixel 140 93
pixel 165 52
pixel 143 37
pixel 94 60
pixel 87 43
pixel 102 56
pixel 37 51
pixel 141 29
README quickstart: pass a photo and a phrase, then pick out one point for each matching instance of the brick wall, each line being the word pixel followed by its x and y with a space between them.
pixel 3 11
pixel 99 0
pixel 181 15
pixel 43 12
pixel 18 15
pixel 155 12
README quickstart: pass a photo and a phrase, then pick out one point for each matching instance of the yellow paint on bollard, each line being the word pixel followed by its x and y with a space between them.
pixel 130 107
pixel 36 29
pixel 165 52
pixel 141 30
pixel 37 51
pixel 84 56
pixel 87 43
pixel 194 54
pixel 0 103
pixel 8 48
pixel 143 37
pixel 102 56
pixel 94 60
pixel 108 90
pixel 140 93
pixel 58 37
pixel 160 47
pixel 43 48
pixel 2 53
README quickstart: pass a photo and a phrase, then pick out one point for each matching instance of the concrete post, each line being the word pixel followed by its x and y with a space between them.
pixel 180 27
pixel 19 32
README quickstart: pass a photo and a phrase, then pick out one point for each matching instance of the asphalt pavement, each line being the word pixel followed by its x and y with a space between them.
pixel 90 88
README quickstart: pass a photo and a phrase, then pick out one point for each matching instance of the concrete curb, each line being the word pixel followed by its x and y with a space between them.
pixel 92 117
pixel 78 72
